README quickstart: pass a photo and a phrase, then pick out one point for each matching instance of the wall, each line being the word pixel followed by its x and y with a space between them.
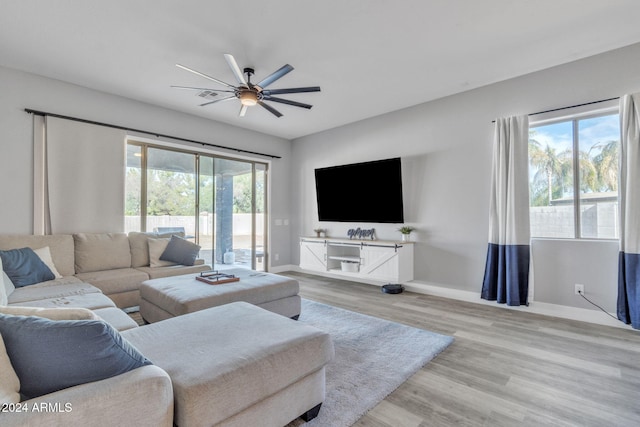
pixel 23 90
pixel 446 150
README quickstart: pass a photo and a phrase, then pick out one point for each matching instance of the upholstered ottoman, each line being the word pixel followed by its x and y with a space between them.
pixel 174 296
pixel 238 365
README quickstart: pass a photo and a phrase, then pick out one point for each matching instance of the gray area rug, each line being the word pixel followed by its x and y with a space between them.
pixel 361 375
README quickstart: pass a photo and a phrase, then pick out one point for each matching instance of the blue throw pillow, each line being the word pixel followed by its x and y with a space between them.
pixel 24 267
pixel 180 251
pixel 50 355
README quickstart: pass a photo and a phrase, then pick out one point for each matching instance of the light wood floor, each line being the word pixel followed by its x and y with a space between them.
pixel 505 368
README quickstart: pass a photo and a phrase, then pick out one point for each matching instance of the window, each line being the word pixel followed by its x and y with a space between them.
pixel 573 177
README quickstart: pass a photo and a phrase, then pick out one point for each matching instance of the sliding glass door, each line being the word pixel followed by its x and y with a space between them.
pixel 239 240
pixel 219 203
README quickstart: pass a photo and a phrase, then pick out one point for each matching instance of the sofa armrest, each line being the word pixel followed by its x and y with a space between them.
pixel 143 396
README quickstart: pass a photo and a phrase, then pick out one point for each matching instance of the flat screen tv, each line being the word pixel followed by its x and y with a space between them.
pixel 361 192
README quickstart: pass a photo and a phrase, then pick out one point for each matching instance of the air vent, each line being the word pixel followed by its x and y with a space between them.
pixel 208 94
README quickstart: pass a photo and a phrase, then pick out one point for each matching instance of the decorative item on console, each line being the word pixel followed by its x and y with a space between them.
pixel 406 230
pixel 320 232
pixel 359 233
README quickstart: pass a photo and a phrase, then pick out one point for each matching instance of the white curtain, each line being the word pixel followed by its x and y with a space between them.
pixel 629 201
pixel 79 172
pixel 506 278
pixel 41 215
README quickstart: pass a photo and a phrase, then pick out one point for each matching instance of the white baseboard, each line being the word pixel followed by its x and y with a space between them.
pixel 281 268
pixel 554 310
pixel 547 309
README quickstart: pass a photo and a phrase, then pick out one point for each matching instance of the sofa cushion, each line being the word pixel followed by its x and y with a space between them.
pixel 180 251
pixel 101 251
pixel 117 318
pixel 50 355
pixel 140 247
pixel 45 256
pixel 9 382
pixel 90 301
pixel 175 270
pixel 60 245
pixel 116 280
pixel 156 249
pixel 62 313
pixel 52 289
pixel 24 267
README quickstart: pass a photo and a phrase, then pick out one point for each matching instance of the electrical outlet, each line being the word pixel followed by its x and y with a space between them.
pixel 579 289
pixel 276 257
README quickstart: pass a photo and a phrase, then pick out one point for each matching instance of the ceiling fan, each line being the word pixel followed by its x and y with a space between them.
pixel 249 93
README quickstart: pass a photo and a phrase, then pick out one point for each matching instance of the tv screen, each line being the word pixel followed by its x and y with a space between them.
pixel 361 192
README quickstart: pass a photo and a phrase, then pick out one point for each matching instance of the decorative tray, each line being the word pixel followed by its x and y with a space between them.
pixel 214 277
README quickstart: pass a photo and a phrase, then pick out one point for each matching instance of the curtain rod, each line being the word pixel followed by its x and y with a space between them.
pixel 158 135
pixel 570 106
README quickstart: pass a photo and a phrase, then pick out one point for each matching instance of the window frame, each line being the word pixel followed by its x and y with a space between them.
pixel 575 115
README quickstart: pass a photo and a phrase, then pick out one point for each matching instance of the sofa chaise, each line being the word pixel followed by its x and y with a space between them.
pixel 232 365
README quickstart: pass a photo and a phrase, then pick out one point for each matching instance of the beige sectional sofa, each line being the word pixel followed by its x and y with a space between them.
pixel 232 365
pixel 115 263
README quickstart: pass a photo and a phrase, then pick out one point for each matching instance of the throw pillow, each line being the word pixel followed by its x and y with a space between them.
pixel 50 355
pixel 45 255
pixel 24 267
pixel 62 313
pixel 156 249
pixel 8 285
pixel 140 247
pixel 9 382
pixel 180 251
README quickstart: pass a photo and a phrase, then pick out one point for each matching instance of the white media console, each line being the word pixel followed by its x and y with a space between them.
pixel 376 260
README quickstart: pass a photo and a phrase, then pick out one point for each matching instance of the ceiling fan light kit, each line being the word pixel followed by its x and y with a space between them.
pixel 248 93
pixel 248 98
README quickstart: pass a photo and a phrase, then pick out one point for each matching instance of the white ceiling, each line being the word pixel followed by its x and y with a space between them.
pixel 369 56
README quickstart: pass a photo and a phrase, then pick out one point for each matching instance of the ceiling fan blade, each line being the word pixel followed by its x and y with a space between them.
pixel 205 76
pixel 291 90
pixel 235 69
pixel 287 101
pixel 275 76
pixel 202 88
pixel 270 109
pixel 243 111
pixel 218 100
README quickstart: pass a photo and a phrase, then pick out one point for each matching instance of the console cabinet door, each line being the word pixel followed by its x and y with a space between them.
pixel 313 255
pixel 379 263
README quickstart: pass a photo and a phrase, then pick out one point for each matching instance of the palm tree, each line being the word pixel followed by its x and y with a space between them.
pixel 588 173
pixel 551 167
pixel 606 165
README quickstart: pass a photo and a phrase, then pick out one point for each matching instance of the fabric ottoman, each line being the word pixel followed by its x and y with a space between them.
pixel 238 365
pixel 174 296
